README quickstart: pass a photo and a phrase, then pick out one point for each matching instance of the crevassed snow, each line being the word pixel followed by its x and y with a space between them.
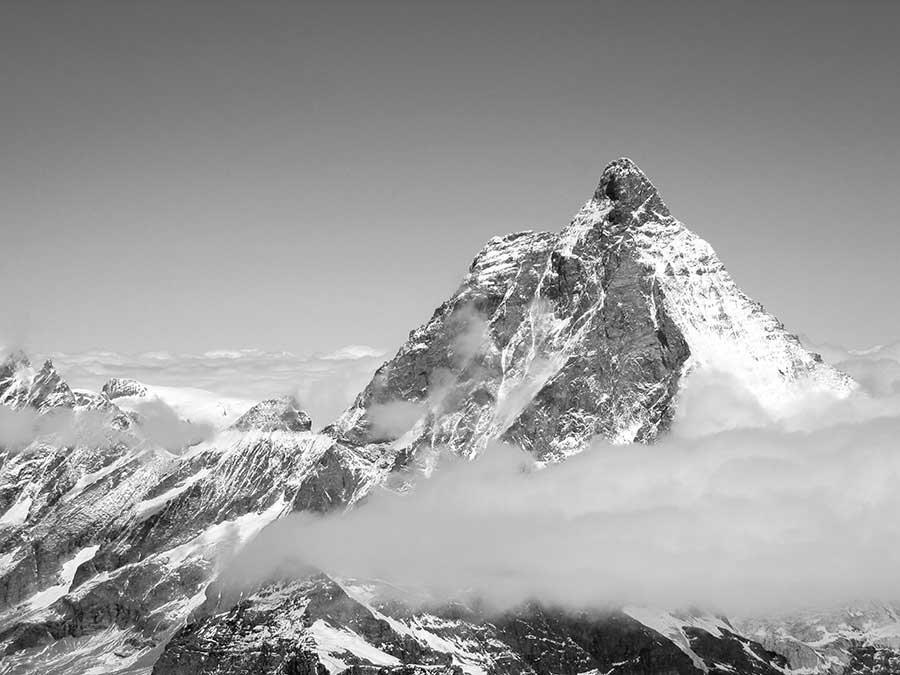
pixel 50 595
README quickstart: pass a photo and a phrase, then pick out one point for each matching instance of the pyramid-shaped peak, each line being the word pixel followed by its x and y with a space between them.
pixel 275 414
pixel 624 183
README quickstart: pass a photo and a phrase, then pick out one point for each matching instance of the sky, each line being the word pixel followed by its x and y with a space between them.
pixel 300 176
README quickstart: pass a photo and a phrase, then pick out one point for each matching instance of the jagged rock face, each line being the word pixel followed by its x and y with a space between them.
pixel 21 386
pixel 275 414
pixel 117 387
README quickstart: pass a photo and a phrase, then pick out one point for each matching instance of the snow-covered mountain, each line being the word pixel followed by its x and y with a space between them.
pixel 111 545
pixel 190 404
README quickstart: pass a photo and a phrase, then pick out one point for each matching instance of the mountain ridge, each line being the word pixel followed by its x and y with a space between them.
pixel 551 340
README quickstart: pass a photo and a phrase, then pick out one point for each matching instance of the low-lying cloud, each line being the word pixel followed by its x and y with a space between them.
pixel 157 424
pixel 394 418
pixel 732 511
pixel 161 425
pixel 325 384
pixel 63 426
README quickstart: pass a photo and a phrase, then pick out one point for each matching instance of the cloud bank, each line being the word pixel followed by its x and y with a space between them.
pixel 324 384
pixel 732 511
pixel 159 425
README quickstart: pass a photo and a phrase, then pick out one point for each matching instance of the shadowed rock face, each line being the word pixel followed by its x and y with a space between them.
pixel 551 340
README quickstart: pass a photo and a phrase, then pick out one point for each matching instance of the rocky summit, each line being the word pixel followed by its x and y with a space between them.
pixel 112 549
pixel 275 414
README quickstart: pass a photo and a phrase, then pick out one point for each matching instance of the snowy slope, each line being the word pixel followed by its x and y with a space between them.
pixel 190 404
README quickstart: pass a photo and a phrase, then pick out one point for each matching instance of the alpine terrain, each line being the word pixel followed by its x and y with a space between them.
pixel 112 548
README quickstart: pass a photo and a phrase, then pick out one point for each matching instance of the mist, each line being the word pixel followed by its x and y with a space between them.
pixel 733 510
pixel 324 384
pixel 157 424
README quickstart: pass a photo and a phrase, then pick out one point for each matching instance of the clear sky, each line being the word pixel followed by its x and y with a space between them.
pixel 197 175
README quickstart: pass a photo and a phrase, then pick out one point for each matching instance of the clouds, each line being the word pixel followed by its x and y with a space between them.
pixel 324 384
pixel 733 511
pixel 59 426
pixel 160 424
pixel 393 419
pixel 877 369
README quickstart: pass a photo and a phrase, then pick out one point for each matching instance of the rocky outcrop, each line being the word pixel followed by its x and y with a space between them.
pixel 275 414
pixel 117 387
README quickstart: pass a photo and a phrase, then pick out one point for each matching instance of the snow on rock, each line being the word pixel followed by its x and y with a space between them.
pixel 670 626
pixel 330 643
pixel 554 339
pixel 551 340
pixel 21 385
pixel 148 507
pixel 50 595
pixel 228 534
pixel 16 514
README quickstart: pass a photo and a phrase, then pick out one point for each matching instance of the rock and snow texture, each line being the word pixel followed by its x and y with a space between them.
pixel 21 385
pixel 275 414
pixel 863 638
pixel 552 339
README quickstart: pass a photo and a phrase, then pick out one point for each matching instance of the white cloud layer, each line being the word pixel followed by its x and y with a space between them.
pixel 324 384
pixel 732 511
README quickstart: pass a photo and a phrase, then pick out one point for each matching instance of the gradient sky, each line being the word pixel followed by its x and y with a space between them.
pixel 194 175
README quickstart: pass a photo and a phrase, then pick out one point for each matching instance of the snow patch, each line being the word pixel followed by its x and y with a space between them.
pixel 48 596
pixel 330 642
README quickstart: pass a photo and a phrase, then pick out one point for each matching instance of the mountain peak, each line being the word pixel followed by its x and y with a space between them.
pixel 21 386
pixel 117 387
pixel 623 183
pixel 275 414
